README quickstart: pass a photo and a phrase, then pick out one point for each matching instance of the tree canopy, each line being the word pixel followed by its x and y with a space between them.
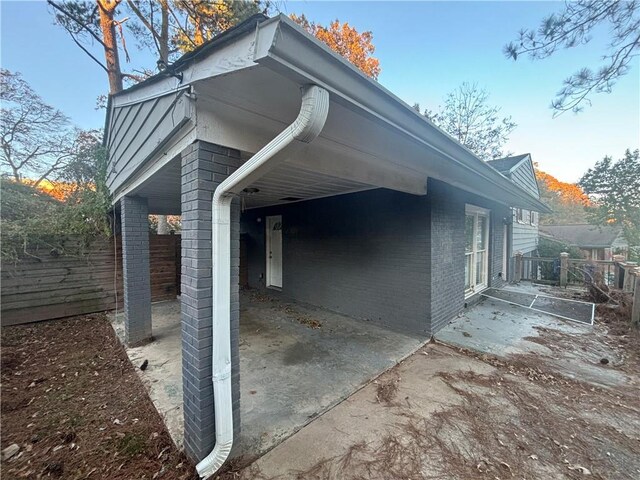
pixel 167 27
pixel 342 38
pixel 614 190
pixel 37 140
pixel 53 175
pixel 467 116
pixel 567 200
pixel 575 25
pixel 43 216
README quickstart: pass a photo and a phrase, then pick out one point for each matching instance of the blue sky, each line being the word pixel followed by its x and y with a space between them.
pixel 426 49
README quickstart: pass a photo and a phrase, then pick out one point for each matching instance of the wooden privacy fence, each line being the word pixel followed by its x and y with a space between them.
pixel 50 286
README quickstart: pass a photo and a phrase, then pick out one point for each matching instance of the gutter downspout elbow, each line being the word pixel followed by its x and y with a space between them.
pixel 306 127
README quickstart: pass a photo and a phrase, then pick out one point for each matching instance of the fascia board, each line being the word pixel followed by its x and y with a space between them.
pixel 284 47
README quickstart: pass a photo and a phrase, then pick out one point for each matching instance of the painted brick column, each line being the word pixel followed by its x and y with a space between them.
pixel 204 167
pixel 134 215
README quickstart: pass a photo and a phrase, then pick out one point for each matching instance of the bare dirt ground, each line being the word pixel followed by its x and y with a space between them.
pixel 75 408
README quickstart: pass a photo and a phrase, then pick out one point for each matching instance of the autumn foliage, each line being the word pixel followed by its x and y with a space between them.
pixel 566 192
pixel 567 200
pixel 342 38
pixel 61 191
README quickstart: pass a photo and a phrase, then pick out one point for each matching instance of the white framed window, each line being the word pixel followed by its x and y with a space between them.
pixel 476 249
pixel 522 216
pixel 532 218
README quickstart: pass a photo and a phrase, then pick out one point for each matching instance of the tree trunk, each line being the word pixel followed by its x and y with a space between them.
pixel 163 225
pixel 164 32
pixel 107 9
pixel 198 38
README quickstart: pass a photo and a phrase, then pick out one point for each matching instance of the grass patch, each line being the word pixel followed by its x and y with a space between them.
pixel 132 444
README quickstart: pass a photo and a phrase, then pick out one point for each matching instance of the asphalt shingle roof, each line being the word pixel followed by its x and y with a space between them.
pixel 583 235
pixel 503 165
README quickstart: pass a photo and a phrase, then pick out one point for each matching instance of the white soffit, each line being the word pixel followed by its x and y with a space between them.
pixel 288 183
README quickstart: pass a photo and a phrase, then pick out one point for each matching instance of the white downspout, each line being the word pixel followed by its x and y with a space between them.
pixel 306 127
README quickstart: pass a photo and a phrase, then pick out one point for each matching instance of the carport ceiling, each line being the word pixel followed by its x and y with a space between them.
pixel 286 183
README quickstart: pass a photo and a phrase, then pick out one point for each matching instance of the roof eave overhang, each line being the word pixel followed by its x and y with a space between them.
pixel 284 47
pixel 281 45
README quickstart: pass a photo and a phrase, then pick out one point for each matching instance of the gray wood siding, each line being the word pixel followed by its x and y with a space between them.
pixel 138 131
pixel 524 177
pixel 524 235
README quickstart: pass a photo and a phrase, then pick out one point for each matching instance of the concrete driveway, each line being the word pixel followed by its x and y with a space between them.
pixel 445 414
pixel 514 394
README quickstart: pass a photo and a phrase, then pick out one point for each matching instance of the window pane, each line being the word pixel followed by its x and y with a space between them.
pixel 467 272
pixel 480 268
pixel 481 234
pixel 468 233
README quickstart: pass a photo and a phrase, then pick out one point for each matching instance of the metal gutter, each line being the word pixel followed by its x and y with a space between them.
pixel 306 127
pixel 283 46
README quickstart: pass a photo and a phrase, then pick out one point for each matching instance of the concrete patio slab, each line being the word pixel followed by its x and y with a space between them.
pixel 505 330
pixel 296 362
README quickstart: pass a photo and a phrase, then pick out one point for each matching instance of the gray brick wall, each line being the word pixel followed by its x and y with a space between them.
pixel 447 249
pixel 134 216
pixel 387 257
pixel 204 166
pixel 447 220
pixel 363 254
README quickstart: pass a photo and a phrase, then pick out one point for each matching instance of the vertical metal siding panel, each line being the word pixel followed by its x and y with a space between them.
pixel 131 145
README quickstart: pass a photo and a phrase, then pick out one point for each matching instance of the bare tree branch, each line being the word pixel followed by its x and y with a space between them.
pixel 76 20
pixel 573 26
pixel 88 52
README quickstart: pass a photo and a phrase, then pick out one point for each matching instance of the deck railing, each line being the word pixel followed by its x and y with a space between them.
pixel 615 274
pixel 585 272
pixel 544 270
pixel 566 271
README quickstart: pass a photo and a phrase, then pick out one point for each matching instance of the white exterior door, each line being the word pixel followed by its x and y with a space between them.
pixel 476 234
pixel 274 251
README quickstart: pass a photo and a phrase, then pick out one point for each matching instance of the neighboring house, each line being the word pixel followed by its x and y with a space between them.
pixel 522 230
pixel 596 242
pixel 345 197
